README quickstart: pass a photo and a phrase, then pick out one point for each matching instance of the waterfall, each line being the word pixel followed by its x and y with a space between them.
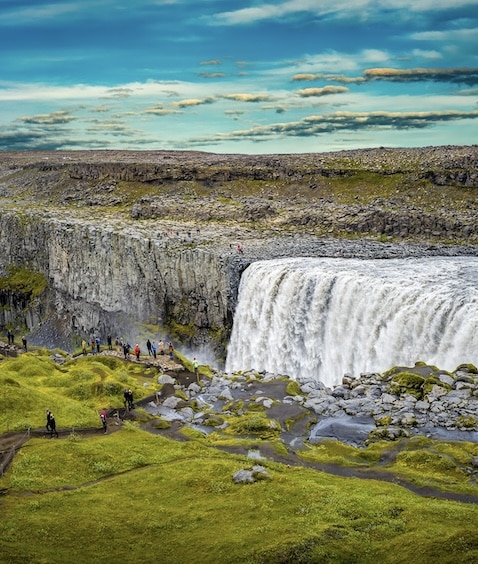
pixel 322 318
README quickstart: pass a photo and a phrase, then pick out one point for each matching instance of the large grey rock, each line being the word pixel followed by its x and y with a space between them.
pixel 347 429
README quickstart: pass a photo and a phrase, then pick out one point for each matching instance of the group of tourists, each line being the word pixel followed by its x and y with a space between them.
pixel 51 422
pixel 122 345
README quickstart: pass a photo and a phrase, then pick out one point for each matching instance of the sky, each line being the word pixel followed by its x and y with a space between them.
pixel 237 76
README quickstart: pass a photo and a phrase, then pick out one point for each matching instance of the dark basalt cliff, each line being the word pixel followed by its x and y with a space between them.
pixel 129 238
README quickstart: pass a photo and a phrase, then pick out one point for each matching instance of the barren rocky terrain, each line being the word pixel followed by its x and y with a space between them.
pixel 427 194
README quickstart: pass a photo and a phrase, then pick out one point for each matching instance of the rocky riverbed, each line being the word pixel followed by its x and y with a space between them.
pixel 405 401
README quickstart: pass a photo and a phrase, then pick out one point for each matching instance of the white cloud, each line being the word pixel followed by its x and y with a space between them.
pixel 449 35
pixel 430 55
pixel 338 9
pixel 38 14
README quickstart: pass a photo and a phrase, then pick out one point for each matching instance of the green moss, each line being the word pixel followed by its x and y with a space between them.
pixel 253 424
pixel 292 421
pixel 279 447
pixel 181 394
pixel 236 407
pixel 385 421
pixel 213 421
pixel 181 332
pixel 433 381
pixel 407 383
pixel 23 281
pixel 470 368
pixel 293 389
pixel 253 406
pixel 466 422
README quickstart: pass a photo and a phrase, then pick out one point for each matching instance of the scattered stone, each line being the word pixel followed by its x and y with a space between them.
pixel 250 476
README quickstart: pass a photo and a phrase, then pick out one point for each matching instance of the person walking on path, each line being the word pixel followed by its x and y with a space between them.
pixel 53 430
pixel 153 349
pixel 161 347
pixel 126 348
pixel 24 343
pixel 48 417
pixel 98 345
pixel 104 417
pixel 196 369
pixel 171 350
pixel 83 347
pixel 128 399
pixel 137 351
pixel 149 347
pixel 109 341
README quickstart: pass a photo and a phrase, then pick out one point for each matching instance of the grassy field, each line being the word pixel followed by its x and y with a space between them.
pixel 136 497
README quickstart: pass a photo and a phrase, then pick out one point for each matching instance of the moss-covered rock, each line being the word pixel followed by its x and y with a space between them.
pixel 470 368
pixel 293 389
pixel 407 383
pixel 467 422
pixel 432 381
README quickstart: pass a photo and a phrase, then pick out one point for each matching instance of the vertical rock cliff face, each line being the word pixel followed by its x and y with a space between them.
pixel 105 279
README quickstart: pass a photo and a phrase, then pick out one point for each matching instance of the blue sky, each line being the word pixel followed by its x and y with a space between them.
pixel 238 76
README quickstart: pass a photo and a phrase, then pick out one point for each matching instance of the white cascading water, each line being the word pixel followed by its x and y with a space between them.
pixel 323 318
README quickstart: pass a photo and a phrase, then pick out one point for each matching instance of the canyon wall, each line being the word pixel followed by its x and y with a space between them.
pixel 103 280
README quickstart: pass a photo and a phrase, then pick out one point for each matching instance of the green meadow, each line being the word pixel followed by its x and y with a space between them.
pixel 136 497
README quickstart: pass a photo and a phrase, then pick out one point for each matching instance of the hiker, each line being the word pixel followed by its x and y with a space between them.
pixel 148 346
pixel 98 342
pixel 171 350
pixel 48 417
pixel 126 348
pixel 24 343
pixel 153 349
pixel 161 347
pixel 92 342
pixel 84 344
pixel 103 417
pixel 110 345
pixel 196 369
pixel 128 399
pixel 53 426
pixel 137 351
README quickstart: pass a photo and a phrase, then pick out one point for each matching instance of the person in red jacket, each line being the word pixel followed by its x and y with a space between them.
pixel 137 351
